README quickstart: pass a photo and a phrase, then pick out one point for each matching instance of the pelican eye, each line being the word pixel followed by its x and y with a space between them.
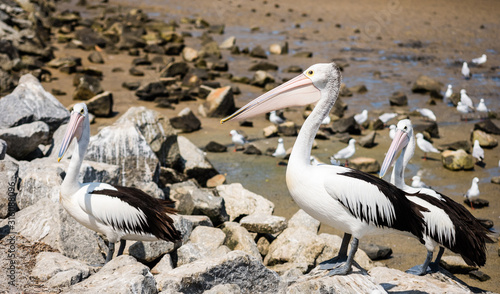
pixel 310 72
pixel 81 111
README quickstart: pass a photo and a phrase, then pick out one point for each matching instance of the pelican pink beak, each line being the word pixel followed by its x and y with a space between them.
pixel 400 141
pixel 296 92
pixel 75 128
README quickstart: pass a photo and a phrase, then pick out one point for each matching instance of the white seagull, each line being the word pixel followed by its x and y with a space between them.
pixel 477 151
pixel 448 93
pixel 392 131
pixel 118 213
pixel 425 112
pixel 238 139
pixel 447 223
pixel 355 202
pixel 280 149
pixel 275 118
pixel 465 99
pixel 425 145
pixel 387 117
pixel 481 106
pixel 466 70
pixel 416 181
pixel 346 152
pixel 360 118
pixel 479 60
pixel 462 108
pixel 473 191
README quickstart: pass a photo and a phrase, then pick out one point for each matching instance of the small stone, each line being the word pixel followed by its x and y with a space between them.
pixel 264 224
pixel 101 105
pixel 228 43
pixel 219 103
pixel 303 54
pixel 479 275
pixel 279 49
pixel 425 84
pixel 252 149
pixel 293 69
pixel 95 57
pixel 258 52
pixel 494 180
pixel 368 141
pixel 263 65
pixel 131 85
pixel 262 78
pixel 365 164
pixel 456 265
pixel 213 146
pixel 348 125
pixel 360 89
pixel 216 181
pixel 270 131
pixel 463 144
pixel 186 121
pixel 398 99
pixel 135 72
pixel 238 238
pixel 376 252
pixel 287 128
pixel 477 203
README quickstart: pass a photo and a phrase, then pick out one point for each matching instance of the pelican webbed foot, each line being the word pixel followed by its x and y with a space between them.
pixel 341 258
pixel 427 267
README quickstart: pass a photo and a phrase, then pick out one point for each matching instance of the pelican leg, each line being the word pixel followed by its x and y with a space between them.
pixel 111 251
pixel 340 258
pixel 122 247
pixel 347 266
pixel 435 265
pixel 422 269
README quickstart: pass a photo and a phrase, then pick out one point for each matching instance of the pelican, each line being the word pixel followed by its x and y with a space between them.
pixel 481 106
pixel 238 139
pixel 465 99
pixel 466 71
pixel 360 118
pixel 280 149
pixel 119 213
pixel 392 131
pixel 416 182
pixel 275 118
pixel 355 202
pixel 477 151
pixel 448 93
pixel 473 191
pixel 479 60
pixel 425 145
pixel 447 223
pixel 346 152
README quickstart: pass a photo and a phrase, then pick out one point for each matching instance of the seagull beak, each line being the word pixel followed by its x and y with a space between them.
pixel 296 92
pixel 400 141
pixel 75 127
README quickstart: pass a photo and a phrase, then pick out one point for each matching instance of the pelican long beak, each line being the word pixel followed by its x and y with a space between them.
pixel 400 141
pixel 296 92
pixel 74 130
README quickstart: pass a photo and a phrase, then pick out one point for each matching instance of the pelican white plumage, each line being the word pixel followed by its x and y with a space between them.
pixel 119 213
pixel 238 139
pixel 465 99
pixel 346 152
pixel 481 107
pixel 425 145
pixel 479 60
pixel 447 223
pixel 357 203
pixel 280 149
pixel 425 112
pixel 448 93
pixel 360 118
pixel 477 151
pixel 392 131
pixel 275 118
pixel 473 191
pixel 466 70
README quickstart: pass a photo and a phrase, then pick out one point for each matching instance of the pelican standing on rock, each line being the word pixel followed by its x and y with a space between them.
pixel 355 202
pixel 425 145
pixel 119 213
pixel 447 223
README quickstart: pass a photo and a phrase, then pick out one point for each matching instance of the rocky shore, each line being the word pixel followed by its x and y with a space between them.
pixel 156 90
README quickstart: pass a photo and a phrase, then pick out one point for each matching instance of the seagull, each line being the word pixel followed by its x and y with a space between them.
pixel 465 99
pixel 425 145
pixel 238 139
pixel 392 131
pixel 355 202
pixel 462 108
pixel 417 183
pixel 473 191
pixel 481 106
pixel 119 213
pixel 360 118
pixel 448 93
pixel 425 112
pixel 479 60
pixel 345 153
pixel 447 223
pixel 326 120
pixel 477 151
pixel 466 71
pixel 387 117
pixel 275 118
pixel 280 150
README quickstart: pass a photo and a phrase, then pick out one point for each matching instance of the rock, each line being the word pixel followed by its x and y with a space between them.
pixel 495 180
pixel 29 102
pixel 238 238
pixel 375 124
pixel 101 105
pixel 240 202
pixel 263 65
pixel 375 251
pixel 293 69
pixel 318 282
pixel 456 265
pixel 344 91
pixel 262 78
pixel 3 149
pixel 171 176
pixel 211 50
pixel 24 139
pixel 331 248
pixel 279 49
pixel 134 71
pixel 180 193
pixel 131 85
pixel 425 84
pixel 122 274
pixel 199 220
pixel 189 54
pixel 479 275
pixel 360 89
pixel 206 203
pixel 174 69
pixel 164 265
pixel 430 127
pixel 152 90
pixel 216 181
pixel 485 140
pixel 215 147
pixel 158 132
pixel 204 242
pixel 398 99
pixel 477 203
pixel 486 126
pixel 219 103
pixel 58 270
pixel 86 87
pixel 287 128
pixel 228 43
pixel 368 141
pixel 365 164
pixel 270 131
pixel 264 223
pixel 463 144
pixel 186 121
pixel 195 163
pixel 346 125
pixel 149 251
pixel 89 39
pixel 303 54
pixel 224 288
pixel 252 149
pixel 258 52
pixel 457 160
pixel 303 220
pixel 9 177
pixel 95 57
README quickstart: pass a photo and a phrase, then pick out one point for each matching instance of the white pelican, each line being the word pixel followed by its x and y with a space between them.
pixel 466 70
pixel 360 118
pixel 392 131
pixel 425 145
pixel 238 139
pixel 425 112
pixel 275 118
pixel 465 99
pixel 357 203
pixel 387 117
pixel 280 149
pixel 119 213
pixel 481 106
pixel 477 151
pixel 448 223
pixel 479 60
pixel 346 152
pixel 473 191
pixel 448 93
pixel 416 182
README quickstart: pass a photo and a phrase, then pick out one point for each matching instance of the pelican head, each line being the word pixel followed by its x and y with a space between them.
pixel 304 89
pixel 404 131
pixel 75 127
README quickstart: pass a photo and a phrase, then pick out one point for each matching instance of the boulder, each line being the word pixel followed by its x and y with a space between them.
pixel 425 84
pixel 29 102
pixel 264 223
pixel 57 270
pixel 3 149
pixel 206 203
pixel 238 238
pixel 149 251
pixel 463 144
pixel 186 121
pixel 213 146
pixel 164 265
pixel 365 164
pixel 195 165
pixel 86 87
pixel 457 160
pixel 152 90
pixel 287 128
pixel 101 105
pixel 9 184
pixel 332 245
pixel 303 220
pixel 262 78
pixel 486 126
pixel 430 127
pixel 205 242
pixel 24 139
pixel 348 125
pixel 368 141
pixel 398 99
pixel 241 202
pixel 219 103
pixel 485 140
pixel 236 267
pixel 318 282
pixel 199 220
pixel 180 193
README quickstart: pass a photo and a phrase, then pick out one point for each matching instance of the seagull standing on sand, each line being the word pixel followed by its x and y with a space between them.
pixel 466 70
pixel 275 118
pixel 360 118
pixel 481 106
pixel 238 139
pixel 448 93
pixel 387 117
pixel 425 112
pixel 477 151
pixel 479 60
pixel 473 191
pixel 346 153
pixel 280 150
pixel 425 145
pixel 392 131
pixel 465 99
pixel 462 108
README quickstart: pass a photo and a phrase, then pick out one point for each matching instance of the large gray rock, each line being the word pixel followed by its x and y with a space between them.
pixel 219 103
pixel 238 238
pixel 9 176
pixel 29 102
pixel 158 132
pixel 150 251
pixel 58 270
pixel 101 105
pixel 264 223
pixel 181 194
pixel 24 139
pixel 205 242
pixel 236 268
pixel 196 165
pixel 121 275
pixel 242 202
pixel 303 220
